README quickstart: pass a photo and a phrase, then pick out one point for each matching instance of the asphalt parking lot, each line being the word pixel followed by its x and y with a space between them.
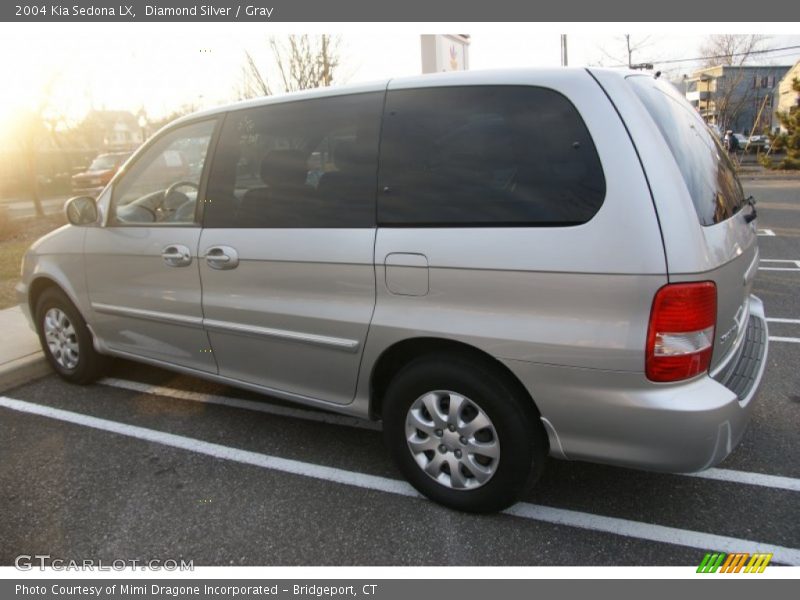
pixel 151 465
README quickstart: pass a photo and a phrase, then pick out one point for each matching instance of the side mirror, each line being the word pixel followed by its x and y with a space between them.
pixel 81 210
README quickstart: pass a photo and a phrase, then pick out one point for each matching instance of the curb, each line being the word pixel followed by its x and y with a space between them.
pixel 757 177
pixel 23 370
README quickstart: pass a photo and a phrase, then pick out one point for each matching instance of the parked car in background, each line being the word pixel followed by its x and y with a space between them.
pixel 742 140
pixel 402 251
pixel 102 169
pixel 758 143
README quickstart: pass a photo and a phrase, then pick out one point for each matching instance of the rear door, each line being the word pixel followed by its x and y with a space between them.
pixel 715 237
pixel 287 246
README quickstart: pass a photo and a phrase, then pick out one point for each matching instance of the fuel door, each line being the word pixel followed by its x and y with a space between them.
pixel 407 274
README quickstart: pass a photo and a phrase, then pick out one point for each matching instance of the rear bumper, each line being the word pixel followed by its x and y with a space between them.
pixel 742 374
pixel 621 418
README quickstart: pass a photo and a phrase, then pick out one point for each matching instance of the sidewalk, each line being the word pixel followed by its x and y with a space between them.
pixel 757 172
pixel 21 209
pixel 21 358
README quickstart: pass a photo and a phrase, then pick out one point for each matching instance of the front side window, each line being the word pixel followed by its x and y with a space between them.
pixel 486 155
pixel 300 164
pixel 161 187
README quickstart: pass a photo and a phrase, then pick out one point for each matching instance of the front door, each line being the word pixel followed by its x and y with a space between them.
pixel 287 246
pixel 141 267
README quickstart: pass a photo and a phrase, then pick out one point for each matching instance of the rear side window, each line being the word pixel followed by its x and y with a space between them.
pixel 486 155
pixel 309 163
pixel 708 172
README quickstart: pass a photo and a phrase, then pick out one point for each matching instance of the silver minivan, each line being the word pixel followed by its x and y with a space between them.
pixel 500 266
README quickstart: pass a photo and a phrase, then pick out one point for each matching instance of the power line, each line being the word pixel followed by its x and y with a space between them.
pixel 731 55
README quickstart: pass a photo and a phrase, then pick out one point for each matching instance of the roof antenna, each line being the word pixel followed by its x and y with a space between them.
pixel 658 74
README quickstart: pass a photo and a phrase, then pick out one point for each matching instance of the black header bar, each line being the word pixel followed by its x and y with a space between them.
pixel 450 11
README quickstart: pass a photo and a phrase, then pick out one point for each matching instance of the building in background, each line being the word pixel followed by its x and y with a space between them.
pixel 785 96
pixel 111 130
pixel 739 98
pixel 445 52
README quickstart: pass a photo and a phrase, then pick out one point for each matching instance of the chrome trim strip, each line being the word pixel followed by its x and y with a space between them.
pixel 295 336
pixel 226 326
pixel 148 315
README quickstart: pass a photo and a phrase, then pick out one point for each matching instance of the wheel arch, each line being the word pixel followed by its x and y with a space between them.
pixel 38 286
pixel 41 283
pixel 399 354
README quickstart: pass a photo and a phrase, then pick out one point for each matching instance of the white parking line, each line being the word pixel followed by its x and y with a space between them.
pixel 272 409
pixel 748 478
pixel 790 340
pixel 771 481
pixel 778 338
pixel 612 525
pixel 795 263
pixel 766 232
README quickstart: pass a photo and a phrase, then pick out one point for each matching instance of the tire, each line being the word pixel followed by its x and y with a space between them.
pixel 65 339
pixel 497 464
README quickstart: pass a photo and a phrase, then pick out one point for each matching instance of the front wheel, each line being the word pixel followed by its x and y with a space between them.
pixel 462 433
pixel 65 338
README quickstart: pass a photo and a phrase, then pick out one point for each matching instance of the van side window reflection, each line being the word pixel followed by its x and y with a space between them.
pixel 486 155
pixel 162 185
pixel 308 163
pixel 704 164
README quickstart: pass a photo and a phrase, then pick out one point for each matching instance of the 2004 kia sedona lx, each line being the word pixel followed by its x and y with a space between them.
pixel 501 266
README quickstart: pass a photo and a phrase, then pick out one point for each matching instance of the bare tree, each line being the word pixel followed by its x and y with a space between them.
pixel 730 93
pixel 298 62
pixel 34 130
pixel 625 48
pixel 29 132
pixel 254 82
pixel 732 50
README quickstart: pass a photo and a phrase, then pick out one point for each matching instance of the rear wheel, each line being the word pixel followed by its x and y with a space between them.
pixel 65 338
pixel 462 433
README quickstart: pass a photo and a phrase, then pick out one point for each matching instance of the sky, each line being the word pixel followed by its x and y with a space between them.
pixel 160 67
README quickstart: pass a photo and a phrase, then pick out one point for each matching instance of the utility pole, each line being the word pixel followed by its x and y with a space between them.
pixel 564 60
pixel 326 70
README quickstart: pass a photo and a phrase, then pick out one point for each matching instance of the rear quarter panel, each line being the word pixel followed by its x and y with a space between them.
pixel 726 253
pixel 574 296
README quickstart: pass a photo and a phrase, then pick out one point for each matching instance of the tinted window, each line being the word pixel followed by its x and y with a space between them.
pixel 703 163
pixel 162 185
pixel 494 155
pixel 310 163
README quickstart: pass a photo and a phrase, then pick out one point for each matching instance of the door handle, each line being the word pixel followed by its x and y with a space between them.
pixel 177 255
pixel 222 257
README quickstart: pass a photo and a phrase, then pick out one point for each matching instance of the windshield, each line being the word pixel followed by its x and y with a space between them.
pixel 104 162
pixel 708 172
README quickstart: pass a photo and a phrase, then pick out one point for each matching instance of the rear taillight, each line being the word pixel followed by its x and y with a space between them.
pixel 680 338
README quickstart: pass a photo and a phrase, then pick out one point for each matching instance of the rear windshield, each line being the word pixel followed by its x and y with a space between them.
pixel 704 164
